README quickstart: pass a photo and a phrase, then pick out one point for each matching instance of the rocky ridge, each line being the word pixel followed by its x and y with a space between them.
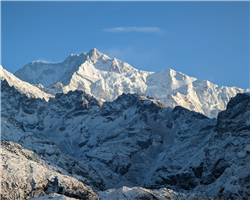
pixel 134 141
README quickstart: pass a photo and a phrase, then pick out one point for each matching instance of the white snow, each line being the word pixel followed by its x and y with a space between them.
pixel 53 196
pixel 106 79
pixel 23 87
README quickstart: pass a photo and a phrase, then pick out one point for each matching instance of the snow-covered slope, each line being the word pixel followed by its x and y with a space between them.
pixel 136 141
pixel 47 150
pixel 106 79
pixel 53 196
pixel 126 193
pixel 25 175
pixel 23 87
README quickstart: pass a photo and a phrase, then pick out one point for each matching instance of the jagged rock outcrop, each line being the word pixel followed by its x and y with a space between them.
pixel 236 117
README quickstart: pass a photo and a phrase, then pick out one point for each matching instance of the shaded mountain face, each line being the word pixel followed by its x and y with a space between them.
pixel 106 79
pixel 135 141
pixel 220 163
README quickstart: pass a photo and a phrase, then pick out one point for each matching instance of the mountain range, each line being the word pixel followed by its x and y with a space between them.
pixel 106 79
pixel 92 127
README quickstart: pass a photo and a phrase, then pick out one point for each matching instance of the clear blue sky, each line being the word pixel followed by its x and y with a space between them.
pixel 206 40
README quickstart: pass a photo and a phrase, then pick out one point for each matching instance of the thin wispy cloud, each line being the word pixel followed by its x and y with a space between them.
pixel 134 29
pixel 45 61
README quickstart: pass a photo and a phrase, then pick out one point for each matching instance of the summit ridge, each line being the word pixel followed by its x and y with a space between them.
pixel 106 79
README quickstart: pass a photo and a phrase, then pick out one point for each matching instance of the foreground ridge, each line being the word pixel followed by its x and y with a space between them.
pixel 25 175
pixel 35 178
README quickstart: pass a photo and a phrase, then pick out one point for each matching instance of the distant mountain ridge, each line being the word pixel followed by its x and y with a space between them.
pixel 106 79
pixel 23 87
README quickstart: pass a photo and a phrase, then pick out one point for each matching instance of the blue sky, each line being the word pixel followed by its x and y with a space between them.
pixel 206 40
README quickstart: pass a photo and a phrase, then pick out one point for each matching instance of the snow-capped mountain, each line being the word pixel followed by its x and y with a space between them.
pixel 89 128
pixel 106 79
pixel 133 141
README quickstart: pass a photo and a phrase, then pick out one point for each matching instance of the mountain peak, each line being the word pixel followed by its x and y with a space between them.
pixel 94 54
pixel 106 79
pixel 93 50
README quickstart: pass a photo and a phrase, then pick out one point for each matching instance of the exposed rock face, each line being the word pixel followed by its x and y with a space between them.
pixel 25 175
pixel 106 79
pixel 236 117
